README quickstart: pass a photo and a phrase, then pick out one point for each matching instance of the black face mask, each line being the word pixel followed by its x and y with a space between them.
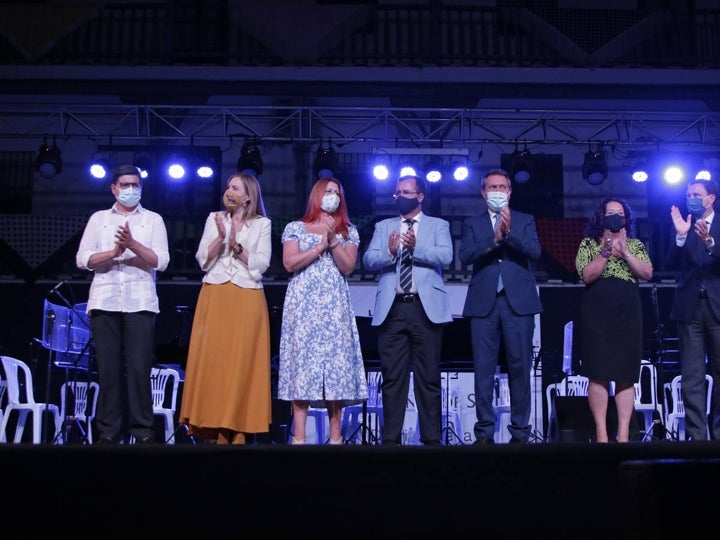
pixel 614 222
pixel 405 205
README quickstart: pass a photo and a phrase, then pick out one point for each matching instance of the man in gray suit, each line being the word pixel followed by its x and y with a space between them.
pixel 411 309
pixel 501 302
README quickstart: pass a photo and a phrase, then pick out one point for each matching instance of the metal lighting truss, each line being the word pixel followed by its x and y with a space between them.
pixel 365 125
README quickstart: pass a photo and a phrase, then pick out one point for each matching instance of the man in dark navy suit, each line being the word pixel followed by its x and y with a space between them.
pixel 696 304
pixel 502 300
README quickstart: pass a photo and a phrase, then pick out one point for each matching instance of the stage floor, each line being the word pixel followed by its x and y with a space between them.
pixel 551 490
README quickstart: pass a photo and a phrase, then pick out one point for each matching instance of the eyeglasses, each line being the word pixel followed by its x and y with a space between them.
pixel 404 192
pixel 134 185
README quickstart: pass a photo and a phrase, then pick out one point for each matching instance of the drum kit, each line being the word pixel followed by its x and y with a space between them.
pixel 66 336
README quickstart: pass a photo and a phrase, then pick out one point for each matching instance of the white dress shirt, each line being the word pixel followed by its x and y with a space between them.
pixel 126 283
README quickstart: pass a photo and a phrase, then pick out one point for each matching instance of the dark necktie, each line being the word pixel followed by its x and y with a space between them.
pixel 499 283
pixel 406 264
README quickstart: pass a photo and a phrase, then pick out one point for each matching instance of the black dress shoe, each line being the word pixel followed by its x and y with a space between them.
pixel 518 440
pixel 390 443
pixel 105 440
pixel 484 441
pixel 144 440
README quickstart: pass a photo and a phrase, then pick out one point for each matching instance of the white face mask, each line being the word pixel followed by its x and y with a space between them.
pixel 497 200
pixel 129 196
pixel 330 202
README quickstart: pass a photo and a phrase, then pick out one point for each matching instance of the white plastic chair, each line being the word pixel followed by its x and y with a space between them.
pixel 81 397
pixel 21 398
pixel 675 417
pixel 3 389
pixel 647 402
pixel 164 382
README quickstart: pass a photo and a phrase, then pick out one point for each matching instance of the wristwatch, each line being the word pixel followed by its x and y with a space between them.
pixel 709 242
pixel 237 249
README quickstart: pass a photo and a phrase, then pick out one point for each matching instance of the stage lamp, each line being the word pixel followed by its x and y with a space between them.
pixel 381 171
pixel 325 163
pixel 143 161
pixel 594 168
pixel 250 160
pixel 177 168
pixel 673 175
pixel 407 170
pixel 48 161
pixel 521 165
pixel 100 168
pixel 434 170
pixel 639 176
pixel 460 171
pixel 638 171
pixel 205 172
pixel 205 168
pixel 703 174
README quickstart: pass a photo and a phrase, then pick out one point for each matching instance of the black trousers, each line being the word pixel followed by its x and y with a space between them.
pixel 128 336
pixel 408 339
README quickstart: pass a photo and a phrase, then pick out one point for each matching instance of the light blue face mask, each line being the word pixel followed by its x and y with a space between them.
pixel 497 200
pixel 695 206
pixel 129 196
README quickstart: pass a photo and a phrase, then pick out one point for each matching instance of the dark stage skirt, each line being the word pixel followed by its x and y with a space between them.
pixel 611 330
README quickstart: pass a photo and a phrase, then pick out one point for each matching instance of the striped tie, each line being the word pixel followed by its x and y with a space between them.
pixel 499 283
pixel 406 264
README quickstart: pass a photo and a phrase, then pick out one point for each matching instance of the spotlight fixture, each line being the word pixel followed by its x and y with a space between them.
pixel 636 163
pixel 381 170
pixel 594 168
pixel 407 170
pixel 144 162
pixel 48 162
pixel 326 163
pixel 460 171
pixel 434 169
pixel 521 165
pixel 100 168
pixel 250 160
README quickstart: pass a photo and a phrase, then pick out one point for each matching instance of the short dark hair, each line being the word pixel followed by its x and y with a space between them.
pixel 711 186
pixel 125 170
pixel 498 172
pixel 419 182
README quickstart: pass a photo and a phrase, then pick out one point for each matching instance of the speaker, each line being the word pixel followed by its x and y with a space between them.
pixel 574 421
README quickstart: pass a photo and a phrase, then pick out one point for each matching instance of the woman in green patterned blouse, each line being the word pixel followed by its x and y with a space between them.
pixel 610 261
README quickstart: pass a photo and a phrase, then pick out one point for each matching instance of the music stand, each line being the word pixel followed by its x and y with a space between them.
pixel 659 335
pixel 66 329
pixel 367 434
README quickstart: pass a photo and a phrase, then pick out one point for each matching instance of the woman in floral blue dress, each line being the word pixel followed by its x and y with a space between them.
pixel 320 358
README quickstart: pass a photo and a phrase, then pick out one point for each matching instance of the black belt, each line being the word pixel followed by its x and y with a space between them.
pixel 501 293
pixel 702 293
pixel 407 298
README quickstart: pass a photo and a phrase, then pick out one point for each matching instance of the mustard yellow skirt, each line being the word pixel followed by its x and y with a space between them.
pixel 227 376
